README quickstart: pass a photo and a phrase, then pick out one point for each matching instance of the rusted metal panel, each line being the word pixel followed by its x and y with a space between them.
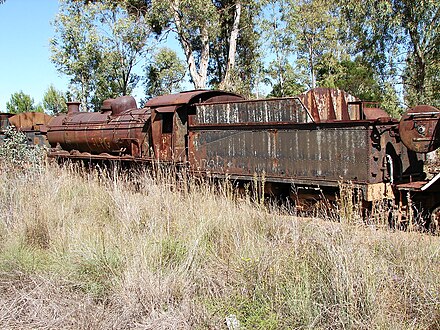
pixel 328 154
pixel 328 104
pixel 267 111
pixel 170 108
pixel 162 128
pixel 421 185
pixel 73 107
pixel 4 121
pixel 29 120
pixel 180 132
pixel 170 117
pixel 191 97
pixel 374 113
pixel 419 128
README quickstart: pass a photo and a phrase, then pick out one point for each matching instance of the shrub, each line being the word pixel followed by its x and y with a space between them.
pixel 16 152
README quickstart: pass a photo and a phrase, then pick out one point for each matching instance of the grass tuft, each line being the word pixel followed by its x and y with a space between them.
pixel 101 249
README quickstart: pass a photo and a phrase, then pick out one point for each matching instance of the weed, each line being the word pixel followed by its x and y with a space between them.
pixel 98 249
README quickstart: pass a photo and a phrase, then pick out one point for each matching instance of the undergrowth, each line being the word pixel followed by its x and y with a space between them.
pixel 101 249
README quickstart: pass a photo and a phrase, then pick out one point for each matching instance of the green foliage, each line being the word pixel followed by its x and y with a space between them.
pixel 242 77
pixel 354 76
pixel 401 39
pixel 54 101
pixel 314 26
pixel 173 252
pixel 287 81
pixel 363 47
pixel 97 273
pixel 21 102
pixel 15 150
pixel 75 48
pixel 98 44
pixel 194 21
pixel 165 74
pixel 218 39
pixel 390 100
pixel 249 50
pixel 21 257
pixel 280 74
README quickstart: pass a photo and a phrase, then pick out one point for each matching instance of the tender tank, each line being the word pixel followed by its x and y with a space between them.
pixel 118 129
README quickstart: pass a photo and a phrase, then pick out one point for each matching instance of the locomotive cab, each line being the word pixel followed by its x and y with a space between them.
pixel 169 121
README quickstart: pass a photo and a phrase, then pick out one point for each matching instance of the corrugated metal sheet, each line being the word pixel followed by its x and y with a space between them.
pixel 318 154
pixel 289 110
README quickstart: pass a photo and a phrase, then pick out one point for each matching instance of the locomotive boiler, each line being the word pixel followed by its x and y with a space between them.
pixel 303 146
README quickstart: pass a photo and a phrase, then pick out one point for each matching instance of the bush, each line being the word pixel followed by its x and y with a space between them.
pixel 16 152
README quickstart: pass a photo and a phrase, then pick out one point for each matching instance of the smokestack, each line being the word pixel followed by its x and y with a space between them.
pixel 72 107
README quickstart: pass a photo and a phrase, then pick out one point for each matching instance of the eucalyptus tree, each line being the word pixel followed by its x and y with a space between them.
pixel 281 72
pixel 164 74
pixel 314 26
pixel 235 51
pixel 54 101
pixel 21 102
pixel 98 44
pixel 402 39
pixel 209 33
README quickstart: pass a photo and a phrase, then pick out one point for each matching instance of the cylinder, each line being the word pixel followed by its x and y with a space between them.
pixel 73 107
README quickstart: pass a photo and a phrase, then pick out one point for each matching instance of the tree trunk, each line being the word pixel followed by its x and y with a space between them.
pixel 420 67
pixel 312 66
pixel 198 75
pixel 84 93
pixel 227 83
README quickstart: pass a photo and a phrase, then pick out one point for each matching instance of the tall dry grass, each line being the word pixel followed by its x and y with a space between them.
pixel 97 250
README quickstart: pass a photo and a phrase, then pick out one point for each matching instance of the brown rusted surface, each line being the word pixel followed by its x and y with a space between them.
pixel 428 184
pixel 169 117
pixel 73 107
pixel 412 186
pixel 123 103
pixel 123 133
pixel 310 143
pixel 252 112
pixel 190 97
pixel 32 124
pixel 75 154
pixel 419 129
pixel 30 120
pixel 323 154
pixel 300 152
pixel 328 104
pixel 4 120
pixel 375 113
pixel 280 138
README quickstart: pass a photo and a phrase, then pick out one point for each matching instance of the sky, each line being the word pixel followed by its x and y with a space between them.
pixel 25 30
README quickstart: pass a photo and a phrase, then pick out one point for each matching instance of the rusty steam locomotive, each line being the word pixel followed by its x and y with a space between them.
pixel 304 146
